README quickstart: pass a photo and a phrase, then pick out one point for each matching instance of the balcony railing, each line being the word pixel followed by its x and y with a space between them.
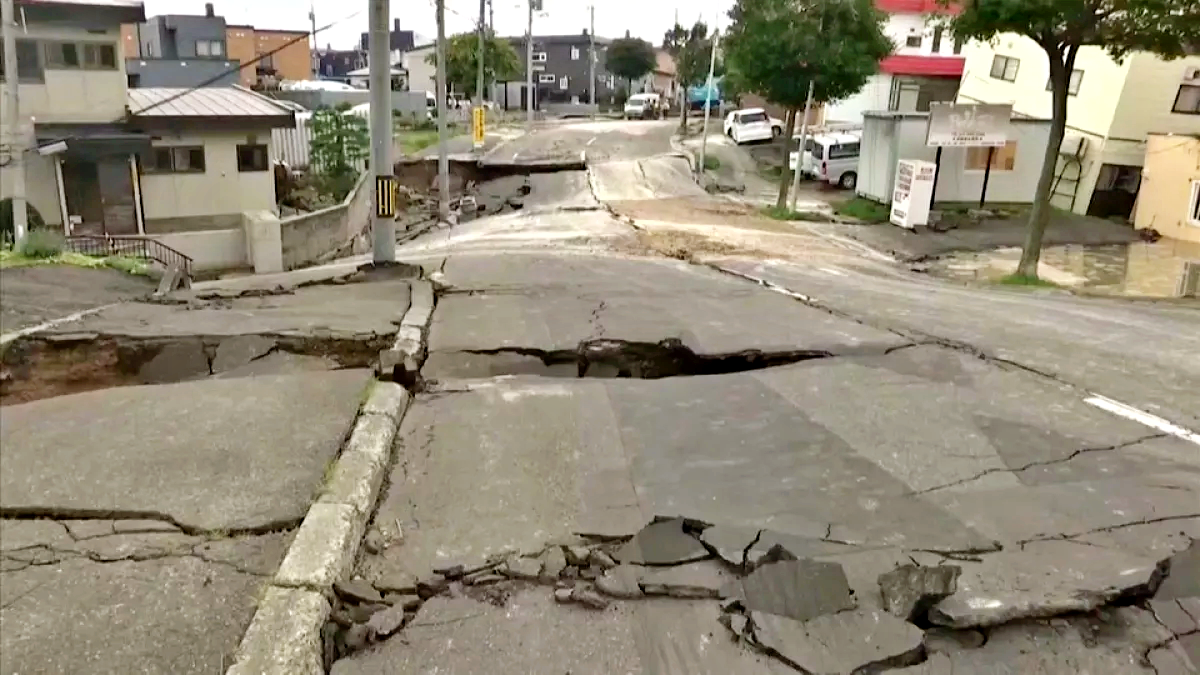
pixel 131 246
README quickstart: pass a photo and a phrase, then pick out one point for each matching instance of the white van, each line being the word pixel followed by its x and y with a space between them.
pixel 832 158
pixel 642 106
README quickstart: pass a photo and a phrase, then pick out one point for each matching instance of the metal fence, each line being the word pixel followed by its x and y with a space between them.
pixel 290 146
pixel 132 246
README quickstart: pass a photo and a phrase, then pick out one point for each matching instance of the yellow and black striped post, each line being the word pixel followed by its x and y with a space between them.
pixel 385 196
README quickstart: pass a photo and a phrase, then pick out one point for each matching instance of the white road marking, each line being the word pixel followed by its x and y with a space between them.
pixel 9 337
pixel 1142 417
pixel 516 155
pixel 593 140
pixel 830 270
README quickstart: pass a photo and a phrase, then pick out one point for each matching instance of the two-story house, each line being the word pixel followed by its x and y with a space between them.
pixel 925 66
pixel 187 51
pixel 101 158
pixel 1111 108
pixel 560 71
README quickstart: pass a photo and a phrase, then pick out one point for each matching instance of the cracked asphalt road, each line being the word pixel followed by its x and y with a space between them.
pixel 939 425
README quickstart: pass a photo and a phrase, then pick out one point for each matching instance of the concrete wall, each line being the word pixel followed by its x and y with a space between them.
pixel 890 137
pixel 221 190
pixel 184 73
pixel 75 95
pixel 41 188
pixel 311 237
pixel 405 102
pixel 1172 168
pixel 211 250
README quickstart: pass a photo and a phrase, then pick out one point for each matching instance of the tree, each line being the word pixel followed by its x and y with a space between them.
pixel 630 58
pixel 339 145
pixel 692 50
pixel 1168 28
pixel 777 47
pixel 500 61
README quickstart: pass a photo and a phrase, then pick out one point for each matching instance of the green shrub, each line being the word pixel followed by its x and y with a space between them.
pixel 6 220
pixel 711 163
pixel 41 243
pixel 864 210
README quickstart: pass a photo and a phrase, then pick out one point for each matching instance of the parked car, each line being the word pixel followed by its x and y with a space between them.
pixel 751 124
pixel 642 106
pixel 832 158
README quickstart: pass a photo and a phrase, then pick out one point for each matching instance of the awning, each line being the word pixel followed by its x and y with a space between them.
pixel 92 141
pixel 933 66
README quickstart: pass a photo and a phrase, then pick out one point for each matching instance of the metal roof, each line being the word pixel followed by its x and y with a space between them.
pixel 225 102
pixel 97 3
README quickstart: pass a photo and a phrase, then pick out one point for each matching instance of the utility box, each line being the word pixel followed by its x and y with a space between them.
pixel 914 188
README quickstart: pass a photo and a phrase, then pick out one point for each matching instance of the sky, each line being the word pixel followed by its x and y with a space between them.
pixel 647 19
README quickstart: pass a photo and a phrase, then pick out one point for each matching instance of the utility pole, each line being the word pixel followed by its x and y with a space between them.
pixel 491 17
pixel 529 67
pixel 803 141
pixel 312 19
pixel 712 67
pixel 443 158
pixel 383 227
pixel 482 51
pixel 592 62
pixel 12 136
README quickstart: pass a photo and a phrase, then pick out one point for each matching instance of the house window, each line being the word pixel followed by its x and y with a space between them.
pixel 937 39
pixel 562 82
pixel 1072 84
pixel 80 55
pixel 252 158
pixel 913 40
pixel 574 53
pixel 210 48
pixel 29 62
pixel 1003 159
pixel 1186 101
pixel 539 57
pixel 547 78
pixel 176 159
pixel 1194 205
pixel 1005 68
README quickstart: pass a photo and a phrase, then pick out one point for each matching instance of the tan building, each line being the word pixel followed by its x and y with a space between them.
pixel 1169 200
pixel 292 61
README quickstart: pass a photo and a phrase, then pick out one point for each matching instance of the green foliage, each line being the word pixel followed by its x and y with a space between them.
pixel 776 213
pixel 340 143
pixel 462 61
pixel 1168 28
pixel 630 58
pixel 692 51
pixel 416 140
pixel 40 244
pixel 711 163
pixel 32 216
pixel 777 47
pixel 863 209
pixel 1019 279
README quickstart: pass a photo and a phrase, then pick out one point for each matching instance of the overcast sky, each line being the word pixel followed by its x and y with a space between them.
pixel 647 19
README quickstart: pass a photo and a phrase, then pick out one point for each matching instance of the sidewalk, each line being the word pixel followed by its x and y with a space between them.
pixel 168 453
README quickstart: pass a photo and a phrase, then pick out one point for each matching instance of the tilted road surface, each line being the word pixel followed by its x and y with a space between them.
pixel 1022 468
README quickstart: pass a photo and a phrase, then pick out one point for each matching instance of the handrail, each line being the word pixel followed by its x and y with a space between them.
pixel 134 246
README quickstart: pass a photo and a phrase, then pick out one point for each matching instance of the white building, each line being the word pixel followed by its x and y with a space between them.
pixel 925 66
pixel 1111 108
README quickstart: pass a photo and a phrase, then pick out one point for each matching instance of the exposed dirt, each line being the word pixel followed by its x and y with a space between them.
pixel 34 295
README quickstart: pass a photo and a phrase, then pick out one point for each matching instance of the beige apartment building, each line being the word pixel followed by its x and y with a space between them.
pixel 1169 201
pixel 1112 108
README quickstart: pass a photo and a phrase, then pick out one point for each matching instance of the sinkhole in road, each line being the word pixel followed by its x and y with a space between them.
pixel 609 358
pixel 39 367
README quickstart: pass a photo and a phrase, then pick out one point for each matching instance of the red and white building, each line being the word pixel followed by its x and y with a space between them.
pixel 926 65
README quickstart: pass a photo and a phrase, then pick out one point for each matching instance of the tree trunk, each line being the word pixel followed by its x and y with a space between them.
pixel 1039 215
pixel 785 174
pixel 683 115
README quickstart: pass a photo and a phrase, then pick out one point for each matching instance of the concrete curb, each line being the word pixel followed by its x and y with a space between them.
pixel 408 351
pixel 285 636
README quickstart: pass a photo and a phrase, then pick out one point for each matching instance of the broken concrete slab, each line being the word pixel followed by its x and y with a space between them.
pixel 86 529
pixel 847 642
pixel 589 598
pixel 1173 659
pixel 910 590
pixel 357 590
pixel 521 568
pixel 1177 616
pixel 16 534
pixel 1183 575
pixel 385 622
pixel 559 639
pixel 212 455
pixel 694 580
pixel 176 362
pixel 237 351
pixel 1045 579
pixel 396 581
pixel 553 563
pixel 663 542
pixel 622 581
pixel 944 640
pixel 797 589
pixel 281 363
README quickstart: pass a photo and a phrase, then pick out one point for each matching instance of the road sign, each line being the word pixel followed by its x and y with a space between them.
pixel 477 119
pixel 385 196
pixel 968 125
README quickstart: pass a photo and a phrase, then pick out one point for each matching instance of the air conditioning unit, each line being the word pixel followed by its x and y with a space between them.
pixel 1192 73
